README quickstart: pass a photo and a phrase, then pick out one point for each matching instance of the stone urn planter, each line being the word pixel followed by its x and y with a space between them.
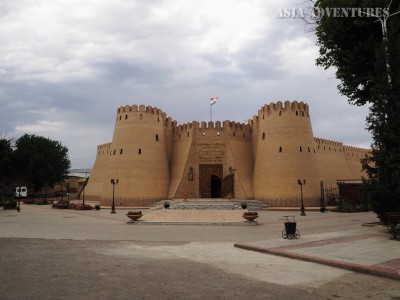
pixel 250 215
pixel 134 215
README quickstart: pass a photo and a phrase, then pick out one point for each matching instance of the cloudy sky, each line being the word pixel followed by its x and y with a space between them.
pixel 66 65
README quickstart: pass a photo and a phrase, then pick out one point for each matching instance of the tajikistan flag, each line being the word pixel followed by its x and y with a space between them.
pixel 213 100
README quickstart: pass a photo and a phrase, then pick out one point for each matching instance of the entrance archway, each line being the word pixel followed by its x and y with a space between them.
pixel 215 186
pixel 210 184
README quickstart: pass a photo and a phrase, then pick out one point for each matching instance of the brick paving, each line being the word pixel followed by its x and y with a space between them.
pixel 382 257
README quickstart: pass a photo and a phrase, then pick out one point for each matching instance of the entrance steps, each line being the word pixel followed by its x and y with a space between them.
pixel 215 204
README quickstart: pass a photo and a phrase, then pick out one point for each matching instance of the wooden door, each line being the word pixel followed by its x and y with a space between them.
pixel 227 186
pixel 205 173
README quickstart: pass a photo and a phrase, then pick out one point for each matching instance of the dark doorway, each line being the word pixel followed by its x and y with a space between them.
pixel 210 180
pixel 215 186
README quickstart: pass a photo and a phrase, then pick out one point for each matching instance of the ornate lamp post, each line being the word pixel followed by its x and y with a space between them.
pixel 113 182
pixel 301 183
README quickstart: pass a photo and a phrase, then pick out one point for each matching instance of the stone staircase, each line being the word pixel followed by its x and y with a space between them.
pixel 214 204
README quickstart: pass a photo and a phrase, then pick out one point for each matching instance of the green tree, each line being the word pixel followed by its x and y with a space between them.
pixel 6 164
pixel 364 48
pixel 41 161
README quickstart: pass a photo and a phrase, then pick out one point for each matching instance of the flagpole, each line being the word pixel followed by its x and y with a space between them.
pixel 211 112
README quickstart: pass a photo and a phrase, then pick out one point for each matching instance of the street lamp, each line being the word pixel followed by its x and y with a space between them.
pixel 322 200
pixel 113 182
pixel 67 185
pixel 19 200
pixel 301 183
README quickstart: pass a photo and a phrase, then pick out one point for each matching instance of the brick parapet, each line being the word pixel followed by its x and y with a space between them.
pixel 278 108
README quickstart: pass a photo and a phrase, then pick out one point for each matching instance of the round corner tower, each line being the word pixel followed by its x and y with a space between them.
pixel 138 156
pixel 284 154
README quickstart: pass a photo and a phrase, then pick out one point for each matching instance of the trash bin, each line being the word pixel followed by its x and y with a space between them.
pixel 290 228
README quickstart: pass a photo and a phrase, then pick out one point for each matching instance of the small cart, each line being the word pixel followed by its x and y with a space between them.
pixel 290 230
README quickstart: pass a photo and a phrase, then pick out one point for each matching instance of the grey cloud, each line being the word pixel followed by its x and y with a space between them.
pixel 89 58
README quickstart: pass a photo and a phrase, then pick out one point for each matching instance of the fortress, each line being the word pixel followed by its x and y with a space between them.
pixel 155 158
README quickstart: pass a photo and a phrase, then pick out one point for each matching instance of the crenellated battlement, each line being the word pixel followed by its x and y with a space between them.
pixel 141 108
pixel 179 128
pixel 203 125
pixel 168 122
pixel 253 121
pixel 356 152
pixel 279 108
pixel 327 142
pixel 136 108
pixel 141 112
pixel 329 145
pixel 103 148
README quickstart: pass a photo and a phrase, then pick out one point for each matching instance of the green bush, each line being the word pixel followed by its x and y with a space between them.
pixel 41 202
pixel 2 201
pixel 10 204
pixel 345 206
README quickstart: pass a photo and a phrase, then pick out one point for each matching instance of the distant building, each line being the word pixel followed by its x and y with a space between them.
pixel 75 181
pixel 154 158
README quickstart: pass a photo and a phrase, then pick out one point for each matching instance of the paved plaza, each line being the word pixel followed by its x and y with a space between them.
pixel 67 254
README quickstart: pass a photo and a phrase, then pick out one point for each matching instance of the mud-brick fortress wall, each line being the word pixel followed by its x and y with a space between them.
pixel 337 161
pixel 152 155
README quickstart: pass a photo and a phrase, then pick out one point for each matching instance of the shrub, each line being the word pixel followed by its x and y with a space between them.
pixel 61 204
pixel 134 212
pixel 29 201
pixel 10 204
pixel 83 207
pixel 345 206
pixel 41 202
pixel 250 213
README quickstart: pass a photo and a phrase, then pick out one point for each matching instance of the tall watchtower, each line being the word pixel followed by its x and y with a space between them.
pixel 285 153
pixel 138 155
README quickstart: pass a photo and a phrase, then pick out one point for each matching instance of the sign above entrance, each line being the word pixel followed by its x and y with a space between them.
pixel 210 152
